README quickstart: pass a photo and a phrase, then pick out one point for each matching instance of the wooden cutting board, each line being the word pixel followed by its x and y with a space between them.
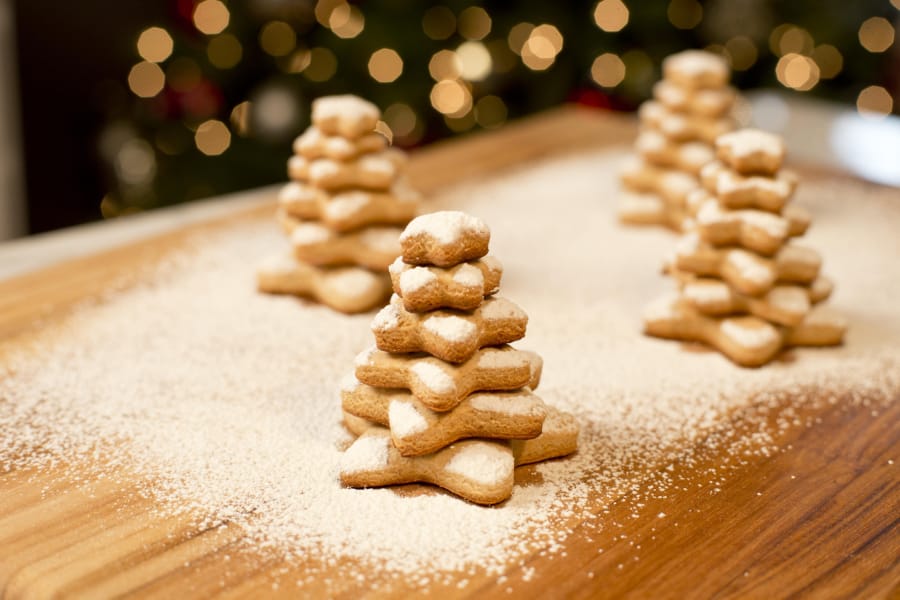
pixel 821 519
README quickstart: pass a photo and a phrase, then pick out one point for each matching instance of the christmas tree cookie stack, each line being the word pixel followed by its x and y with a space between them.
pixel 745 287
pixel 342 210
pixel 442 398
pixel 689 110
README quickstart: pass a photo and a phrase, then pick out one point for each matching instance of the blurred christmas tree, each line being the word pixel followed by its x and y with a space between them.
pixel 222 88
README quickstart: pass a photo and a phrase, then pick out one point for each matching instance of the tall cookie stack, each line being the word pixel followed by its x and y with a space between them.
pixel 442 398
pixel 341 210
pixel 744 287
pixel 690 109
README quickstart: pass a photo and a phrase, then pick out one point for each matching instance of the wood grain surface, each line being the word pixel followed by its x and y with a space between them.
pixel 817 520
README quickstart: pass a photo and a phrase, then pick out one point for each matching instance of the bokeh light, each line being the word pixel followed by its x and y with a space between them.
pixel 211 17
pixel 474 23
pixel 518 35
pixel 322 65
pixel 277 38
pixel 155 44
pixel 540 49
pixel 608 70
pixel 439 23
pixel 797 72
pixel 876 34
pixel 136 162
pixel 346 21
pixel 490 112
pixel 461 123
pixel 146 79
pixel 401 118
pixel 685 14
pixel 829 59
pixel 874 101
pixel 452 98
pixel 445 64
pixel 224 51
pixel 385 65
pixel 240 118
pixel 212 137
pixel 741 52
pixel 298 60
pixel 274 111
pixel 611 15
pixel 795 40
pixel 474 61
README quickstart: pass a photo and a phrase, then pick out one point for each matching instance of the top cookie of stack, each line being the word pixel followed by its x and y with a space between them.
pixel 689 111
pixel 342 209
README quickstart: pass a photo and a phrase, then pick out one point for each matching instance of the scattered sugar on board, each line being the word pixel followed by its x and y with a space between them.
pixel 227 402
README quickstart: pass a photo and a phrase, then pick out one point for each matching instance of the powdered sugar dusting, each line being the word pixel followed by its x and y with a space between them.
pixel 451 328
pixel 368 453
pixel 750 336
pixel 405 420
pixel 487 464
pixel 433 377
pixel 415 279
pixel 446 226
pixel 226 400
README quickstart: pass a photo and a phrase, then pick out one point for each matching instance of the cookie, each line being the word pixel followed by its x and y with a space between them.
pixel 712 102
pixel 738 191
pixel 347 210
pixel 756 230
pixel 745 271
pixel 314 143
pixel 473 469
pixel 463 287
pixel 649 209
pixel 681 127
pixel 416 429
pixel 373 247
pixel 656 148
pixel 751 151
pixel 453 336
pixel 347 289
pixel 440 385
pixel 347 116
pixel 746 340
pixel 783 304
pixel 376 171
pixel 696 69
pixel 444 239
pixel 671 185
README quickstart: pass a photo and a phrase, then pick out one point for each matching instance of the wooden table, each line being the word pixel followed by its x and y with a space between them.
pixel 818 520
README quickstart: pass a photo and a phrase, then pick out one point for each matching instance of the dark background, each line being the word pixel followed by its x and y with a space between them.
pixel 79 115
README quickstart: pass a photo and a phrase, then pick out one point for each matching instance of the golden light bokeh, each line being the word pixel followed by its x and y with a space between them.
pixel 795 40
pixel 829 59
pixel 240 118
pixel 742 52
pixel 876 34
pixel 298 60
pixel 874 101
pixel 685 14
pixel 146 79
pixel 212 137
pixel 211 17
pixel 518 35
pixel 608 70
pixel 445 64
pixel 611 15
pixel 474 61
pixel 183 74
pixel 277 38
pixel 797 72
pixel 401 118
pixel 346 21
pixel 439 23
pixel 540 49
pixel 155 44
pixel 136 162
pixel 452 98
pixel 385 65
pixel 460 123
pixel 224 51
pixel 490 112
pixel 322 65
pixel 474 23
pixel 896 4
pixel 324 10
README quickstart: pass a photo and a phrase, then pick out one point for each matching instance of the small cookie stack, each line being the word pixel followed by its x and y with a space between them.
pixel 442 398
pixel 744 287
pixel 690 109
pixel 341 210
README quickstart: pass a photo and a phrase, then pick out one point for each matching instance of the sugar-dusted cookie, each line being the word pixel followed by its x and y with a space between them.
pixel 440 385
pixel 756 230
pixel 753 191
pixel 695 69
pixel 372 247
pixel 463 287
pixel 314 143
pixel 681 127
pixel 376 171
pixel 650 209
pixel 745 271
pixel 347 289
pixel 751 151
pixel 747 340
pixel 661 151
pixel 444 239
pixel 710 102
pixel 480 471
pixel 347 210
pixel 347 115
pixel 450 335
pixel 416 429
pixel 671 185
